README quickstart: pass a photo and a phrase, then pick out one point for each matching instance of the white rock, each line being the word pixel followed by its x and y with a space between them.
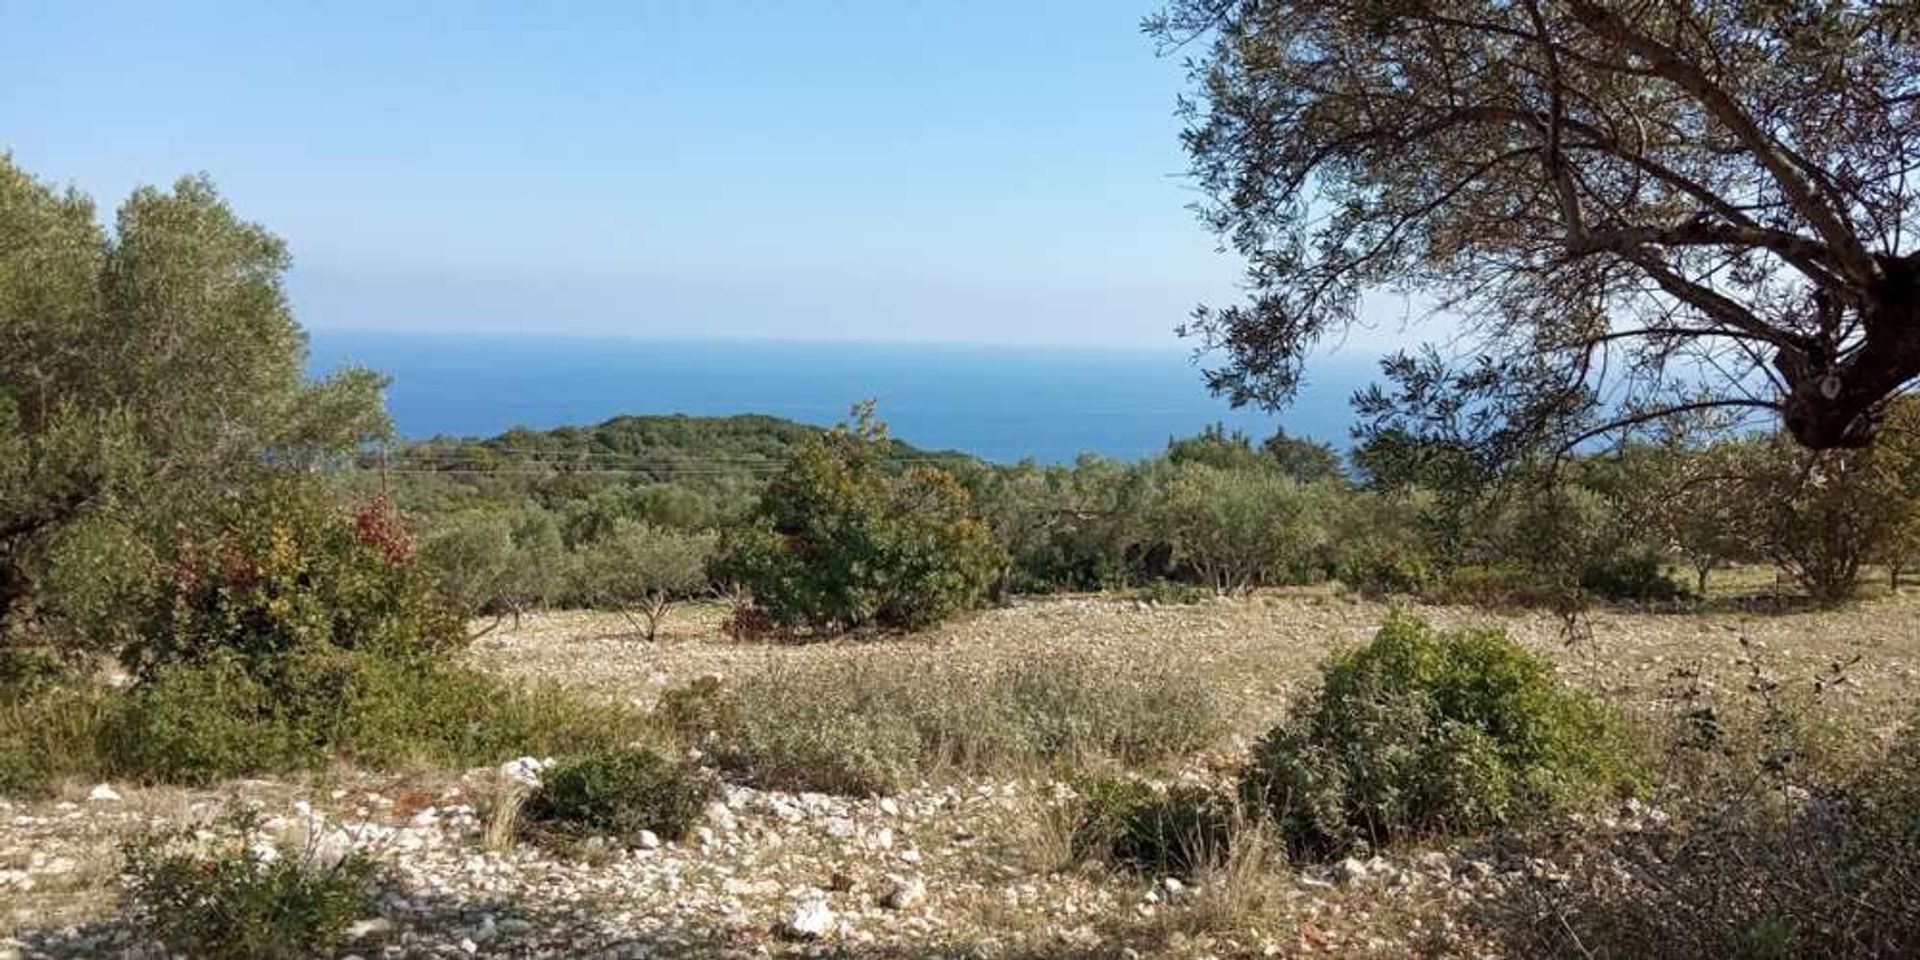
pixel 524 771
pixel 721 816
pixel 810 920
pixel 374 927
pixel 648 840
pixel 889 807
pixel 1350 870
pixel 103 794
pixel 905 893
pixel 839 827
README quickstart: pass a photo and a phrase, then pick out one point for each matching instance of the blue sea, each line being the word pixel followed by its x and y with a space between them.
pixel 1001 403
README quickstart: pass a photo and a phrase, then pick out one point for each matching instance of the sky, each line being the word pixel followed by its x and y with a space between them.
pixel 1002 172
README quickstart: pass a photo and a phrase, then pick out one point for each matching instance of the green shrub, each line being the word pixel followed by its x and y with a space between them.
pixel 617 793
pixel 865 728
pixel 1422 732
pixel 1381 572
pixel 206 722
pixel 839 541
pixel 1493 586
pixel 1638 575
pixel 231 899
pixel 1171 593
pixel 28 670
pixel 288 572
pixel 1180 830
pixel 202 723
pixel 51 733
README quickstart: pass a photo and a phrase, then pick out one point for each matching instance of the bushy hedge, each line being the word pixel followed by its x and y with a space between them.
pixel 1424 731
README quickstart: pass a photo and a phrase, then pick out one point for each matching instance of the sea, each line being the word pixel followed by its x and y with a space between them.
pixel 1049 404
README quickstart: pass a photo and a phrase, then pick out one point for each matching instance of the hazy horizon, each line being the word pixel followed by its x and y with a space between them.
pixel 1001 173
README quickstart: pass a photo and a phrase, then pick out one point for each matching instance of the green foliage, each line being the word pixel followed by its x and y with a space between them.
pixel 642 571
pixel 1422 732
pixel 867 728
pixel 840 541
pixel 287 571
pixel 142 377
pixel 200 723
pixel 618 793
pixel 1181 830
pixel 1306 461
pixel 238 897
pixel 1236 530
pixel 1171 593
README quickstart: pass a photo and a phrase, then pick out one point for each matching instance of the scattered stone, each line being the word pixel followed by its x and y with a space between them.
pixel 647 840
pixel 103 794
pixel 810 920
pixel 904 893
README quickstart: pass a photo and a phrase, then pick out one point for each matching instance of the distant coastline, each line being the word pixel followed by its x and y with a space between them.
pixel 1001 403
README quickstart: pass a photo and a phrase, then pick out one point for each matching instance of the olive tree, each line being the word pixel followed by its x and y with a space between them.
pixel 1238 529
pixel 642 571
pixel 1631 209
pixel 146 374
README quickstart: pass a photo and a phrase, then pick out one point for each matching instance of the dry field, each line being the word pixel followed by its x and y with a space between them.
pixel 954 867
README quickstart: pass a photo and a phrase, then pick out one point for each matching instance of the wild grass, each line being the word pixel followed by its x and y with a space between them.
pixel 877 726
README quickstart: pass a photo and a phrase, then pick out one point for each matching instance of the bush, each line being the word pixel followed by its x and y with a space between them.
pixel 1781 839
pixel 1181 830
pixel 1423 732
pixel 859 728
pixel 1171 593
pixel 53 733
pixel 617 793
pixel 1239 529
pixel 288 572
pixel 203 723
pixel 838 541
pixel 242 898
pixel 1492 586
pixel 1637 575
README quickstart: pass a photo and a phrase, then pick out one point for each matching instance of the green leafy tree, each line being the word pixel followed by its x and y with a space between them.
pixel 642 571
pixel 1239 529
pixel 1307 461
pixel 1636 201
pixel 839 540
pixel 144 376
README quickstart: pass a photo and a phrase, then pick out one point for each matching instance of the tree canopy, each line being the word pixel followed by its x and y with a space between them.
pixel 1633 208
pixel 144 373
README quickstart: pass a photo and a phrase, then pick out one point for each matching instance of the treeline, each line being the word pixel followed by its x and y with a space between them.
pixel 1214 513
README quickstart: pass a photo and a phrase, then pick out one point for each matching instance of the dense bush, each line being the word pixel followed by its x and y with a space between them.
pixel 617 793
pixel 874 728
pixel 1183 829
pixel 201 723
pixel 1238 529
pixel 239 897
pixel 287 571
pixel 840 541
pixel 1422 731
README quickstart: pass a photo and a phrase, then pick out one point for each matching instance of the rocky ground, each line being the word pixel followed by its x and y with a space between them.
pixel 962 869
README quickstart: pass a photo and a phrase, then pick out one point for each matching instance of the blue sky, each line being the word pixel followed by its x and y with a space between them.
pixel 989 172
